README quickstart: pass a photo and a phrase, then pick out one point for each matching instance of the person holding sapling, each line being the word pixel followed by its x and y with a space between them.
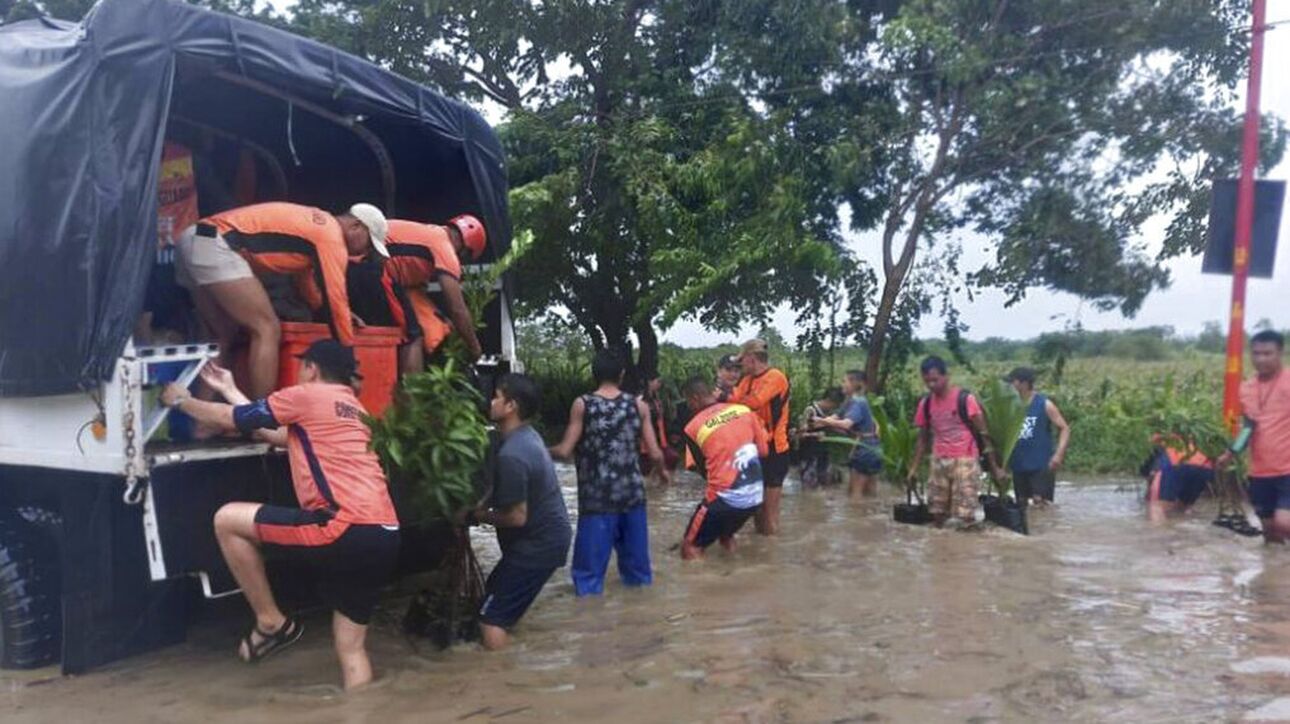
pixel 812 452
pixel 1035 460
pixel 526 507
pixel 951 423
pixel 1265 432
pixel 856 420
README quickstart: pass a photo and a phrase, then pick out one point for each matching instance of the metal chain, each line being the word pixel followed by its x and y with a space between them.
pixel 133 484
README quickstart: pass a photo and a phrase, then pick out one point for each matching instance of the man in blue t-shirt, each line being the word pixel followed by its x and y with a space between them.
pixel 856 420
pixel 1035 461
pixel 526 507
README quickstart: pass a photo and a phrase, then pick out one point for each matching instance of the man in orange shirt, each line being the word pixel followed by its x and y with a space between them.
pixel 1265 405
pixel 765 390
pixel 345 531
pixel 727 443
pixel 219 258
pixel 424 253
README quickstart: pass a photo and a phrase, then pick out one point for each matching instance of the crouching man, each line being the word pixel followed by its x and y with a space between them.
pixel 345 532
pixel 527 509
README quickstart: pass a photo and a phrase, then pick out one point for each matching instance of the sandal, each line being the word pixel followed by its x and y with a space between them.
pixel 271 643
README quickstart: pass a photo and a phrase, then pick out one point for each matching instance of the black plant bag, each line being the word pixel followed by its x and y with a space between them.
pixel 909 512
pixel 1006 513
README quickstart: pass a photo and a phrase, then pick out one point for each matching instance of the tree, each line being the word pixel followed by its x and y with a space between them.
pixel 1040 125
pixel 654 187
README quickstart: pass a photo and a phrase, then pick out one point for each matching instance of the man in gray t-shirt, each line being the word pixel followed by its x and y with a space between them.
pixel 526 507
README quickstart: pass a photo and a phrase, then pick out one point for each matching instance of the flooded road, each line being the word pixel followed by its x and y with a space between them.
pixel 1097 616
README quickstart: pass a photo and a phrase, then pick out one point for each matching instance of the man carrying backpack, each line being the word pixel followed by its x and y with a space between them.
pixel 951 420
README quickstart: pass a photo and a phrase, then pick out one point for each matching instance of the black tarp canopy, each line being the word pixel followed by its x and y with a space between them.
pixel 84 112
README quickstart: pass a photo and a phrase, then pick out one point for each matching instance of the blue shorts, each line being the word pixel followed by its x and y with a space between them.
pixel 509 592
pixel 1184 483
pixel 866 460
pixel 1268 495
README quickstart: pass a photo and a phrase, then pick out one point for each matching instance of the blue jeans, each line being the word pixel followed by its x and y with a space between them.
pixel 599 535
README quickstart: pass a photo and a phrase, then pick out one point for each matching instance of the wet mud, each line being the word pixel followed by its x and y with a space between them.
pixel 846 617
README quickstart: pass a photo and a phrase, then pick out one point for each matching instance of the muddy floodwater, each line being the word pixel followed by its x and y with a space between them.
pixel 1097 616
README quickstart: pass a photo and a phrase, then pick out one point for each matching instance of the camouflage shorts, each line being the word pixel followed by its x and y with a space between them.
pixel 954 487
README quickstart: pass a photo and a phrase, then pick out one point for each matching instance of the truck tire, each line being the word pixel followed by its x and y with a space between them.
pixel 30 617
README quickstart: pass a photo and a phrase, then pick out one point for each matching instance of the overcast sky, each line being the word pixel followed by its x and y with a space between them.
pixel 1191 300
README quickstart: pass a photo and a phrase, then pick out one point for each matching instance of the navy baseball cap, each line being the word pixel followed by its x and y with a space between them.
pixel 333 358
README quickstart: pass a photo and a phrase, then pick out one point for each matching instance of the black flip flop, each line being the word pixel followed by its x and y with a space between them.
pixel 271 643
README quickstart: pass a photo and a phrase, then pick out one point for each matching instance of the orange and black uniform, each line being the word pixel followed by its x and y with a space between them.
pixel 301 241
pixel 419 254
pixel 767 395
pixel 726 443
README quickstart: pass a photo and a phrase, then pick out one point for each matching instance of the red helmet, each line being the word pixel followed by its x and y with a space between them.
pixel 472 233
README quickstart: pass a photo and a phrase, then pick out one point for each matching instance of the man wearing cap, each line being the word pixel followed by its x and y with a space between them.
pixel 728 374
pixel 345 532
pixel 1035 461
pixel 765 390
pixel 219 260
pixel 424 253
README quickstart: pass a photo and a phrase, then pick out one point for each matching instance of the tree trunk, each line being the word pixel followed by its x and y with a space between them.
pixel 881 323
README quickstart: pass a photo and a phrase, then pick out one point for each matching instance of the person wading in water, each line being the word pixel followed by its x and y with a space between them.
pixel 606 429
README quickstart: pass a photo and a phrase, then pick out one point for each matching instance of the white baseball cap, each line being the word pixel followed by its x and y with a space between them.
pixel 371 217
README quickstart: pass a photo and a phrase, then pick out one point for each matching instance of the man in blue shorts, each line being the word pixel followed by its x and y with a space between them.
pixel 526 507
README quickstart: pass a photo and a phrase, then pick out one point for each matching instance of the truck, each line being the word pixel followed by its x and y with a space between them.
pixel 106 542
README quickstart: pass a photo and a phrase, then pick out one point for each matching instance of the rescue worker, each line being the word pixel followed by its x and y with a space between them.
pixel 421 254
pixel 219 259
pixel 765 390
pixel 344 532
pixel 727 444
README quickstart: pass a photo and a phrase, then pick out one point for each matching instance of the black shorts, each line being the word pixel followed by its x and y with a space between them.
pixel 716 520
pixel 1184 483
pixel 774 468
pixel 349 572
pixel 1036 484
pixel 509 592
pixel 1268 495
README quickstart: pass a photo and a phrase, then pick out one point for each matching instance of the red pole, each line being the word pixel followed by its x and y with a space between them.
pixel 1244 222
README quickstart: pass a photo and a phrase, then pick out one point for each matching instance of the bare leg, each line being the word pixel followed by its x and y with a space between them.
pixel 238 541
pixel 862 486
pixel 767 520
pixel 1277 528
pixel 246 303
pixel 351 649
pixel 690 552
pixel 412 358
pixel 494 638
pixel 728 543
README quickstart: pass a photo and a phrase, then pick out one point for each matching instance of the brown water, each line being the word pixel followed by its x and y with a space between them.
pixel 1098 616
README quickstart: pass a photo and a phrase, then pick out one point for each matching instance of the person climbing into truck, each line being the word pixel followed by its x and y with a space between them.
pixel 345 532
pixel 424 253
pixel 220 258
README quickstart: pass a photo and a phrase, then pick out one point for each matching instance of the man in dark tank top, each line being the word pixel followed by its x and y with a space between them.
pixel 605 434
pixel 1036 459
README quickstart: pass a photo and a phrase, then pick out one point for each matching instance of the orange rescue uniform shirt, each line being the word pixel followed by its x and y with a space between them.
pixel 725 441
pixel 302 241
pixel 419 253
pixel 332 466
pixel 1267 404
pixel 767 395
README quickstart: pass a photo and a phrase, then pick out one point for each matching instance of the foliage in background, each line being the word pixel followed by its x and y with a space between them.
pixel 899 438
pixel 1005 415
pixel 434 439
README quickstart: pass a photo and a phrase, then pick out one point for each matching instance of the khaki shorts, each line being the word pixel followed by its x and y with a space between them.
pixel 954 488
pixel 201 261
